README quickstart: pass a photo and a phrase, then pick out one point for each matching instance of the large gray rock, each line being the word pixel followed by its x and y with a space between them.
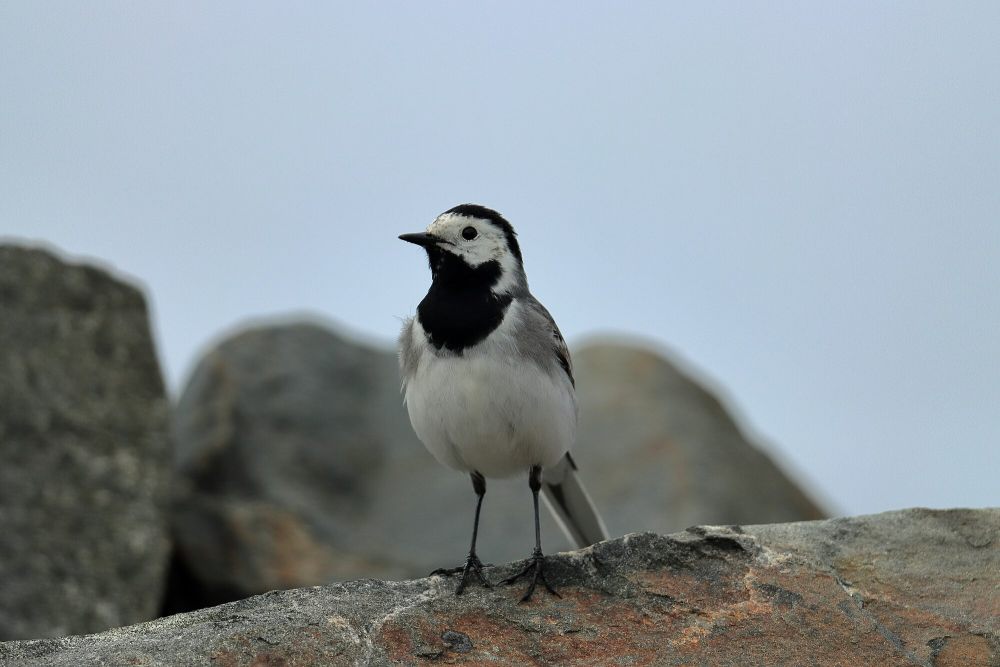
pixel 669 452
pixel 85 450
pixel 915 587
pixel 280 434
pixel 304 469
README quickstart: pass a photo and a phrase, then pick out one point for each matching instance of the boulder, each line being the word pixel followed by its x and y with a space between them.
pixel 280 432
pixel 302 467
pixel 85 450
pixel 912 587
pixel 670 455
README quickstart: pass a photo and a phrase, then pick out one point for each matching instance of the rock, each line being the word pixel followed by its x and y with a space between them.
pixel 279 432
pixel 304 468
pixel 670 454
pixel 85 450
pixel 914 587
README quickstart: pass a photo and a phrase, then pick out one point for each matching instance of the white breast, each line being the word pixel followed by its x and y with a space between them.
pixel 489 410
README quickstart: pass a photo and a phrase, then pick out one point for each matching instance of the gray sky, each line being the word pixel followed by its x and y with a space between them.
pixel 801 199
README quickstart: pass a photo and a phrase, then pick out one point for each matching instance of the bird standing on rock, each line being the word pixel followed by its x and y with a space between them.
pixel 488 381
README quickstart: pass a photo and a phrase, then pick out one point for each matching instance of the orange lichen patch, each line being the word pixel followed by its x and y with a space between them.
pixel 922 612
pixel 694 589
pixel 917 629
pixel 240 651
pixel 966 651
pixel 411 635
pixel 691 636
pixel 744 602
pixel 582 628
pixel 708 622
pixel 224 659
pixel 264 659
pixel 304 645
pixel 415 636
pixel 597 627
pixel 788 617
pixel 954 596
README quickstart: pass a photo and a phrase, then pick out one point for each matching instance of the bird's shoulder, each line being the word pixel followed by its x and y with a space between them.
pixel 544 337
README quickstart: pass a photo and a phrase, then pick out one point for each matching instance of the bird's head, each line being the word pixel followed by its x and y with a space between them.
pixel 470 246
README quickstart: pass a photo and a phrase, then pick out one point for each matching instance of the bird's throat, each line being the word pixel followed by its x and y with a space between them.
pixel 460 309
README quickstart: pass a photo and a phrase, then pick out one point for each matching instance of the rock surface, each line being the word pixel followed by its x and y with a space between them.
pixel 303 468
pixel 914 587
pixel 84 445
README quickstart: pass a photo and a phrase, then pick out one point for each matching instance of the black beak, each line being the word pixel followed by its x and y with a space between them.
pixel 421 238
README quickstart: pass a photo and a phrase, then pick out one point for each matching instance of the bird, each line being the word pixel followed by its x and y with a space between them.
pixel 488 381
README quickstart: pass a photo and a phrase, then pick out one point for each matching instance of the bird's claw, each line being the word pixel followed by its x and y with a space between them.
pixel 535 567
pixel 472 565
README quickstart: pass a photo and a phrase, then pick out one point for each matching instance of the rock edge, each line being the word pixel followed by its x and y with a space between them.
pixel 910 587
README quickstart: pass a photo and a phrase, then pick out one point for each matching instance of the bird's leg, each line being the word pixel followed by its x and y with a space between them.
pixel 536 564
pixel 472 563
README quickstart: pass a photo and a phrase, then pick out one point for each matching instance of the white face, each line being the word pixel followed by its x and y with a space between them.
pixel 487 244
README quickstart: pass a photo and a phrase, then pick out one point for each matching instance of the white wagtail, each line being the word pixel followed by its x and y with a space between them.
pixel 488 380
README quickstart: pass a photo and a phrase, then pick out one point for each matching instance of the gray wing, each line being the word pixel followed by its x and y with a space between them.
pixel 546 344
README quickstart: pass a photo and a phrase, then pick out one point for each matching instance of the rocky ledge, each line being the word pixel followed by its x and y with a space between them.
pixel 912 587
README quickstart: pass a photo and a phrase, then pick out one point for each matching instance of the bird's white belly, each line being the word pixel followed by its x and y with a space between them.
pixel 490 416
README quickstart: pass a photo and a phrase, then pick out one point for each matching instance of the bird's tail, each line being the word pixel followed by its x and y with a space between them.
pixel 571 504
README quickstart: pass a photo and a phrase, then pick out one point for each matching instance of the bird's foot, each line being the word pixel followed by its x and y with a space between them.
pixel 536 568
pixel 472 565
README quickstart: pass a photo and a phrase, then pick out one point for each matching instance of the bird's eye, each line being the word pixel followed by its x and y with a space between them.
pixel 469 233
